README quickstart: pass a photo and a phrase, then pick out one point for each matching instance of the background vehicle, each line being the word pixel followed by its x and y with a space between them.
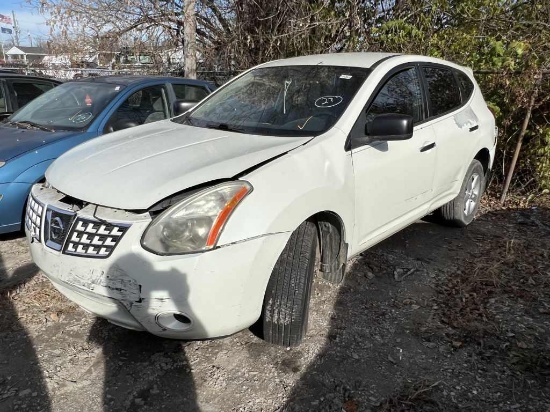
pixel 16 90
pixel 199 226
pixel 76 111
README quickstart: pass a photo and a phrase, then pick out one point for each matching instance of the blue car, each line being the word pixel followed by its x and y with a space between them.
pixel 72 113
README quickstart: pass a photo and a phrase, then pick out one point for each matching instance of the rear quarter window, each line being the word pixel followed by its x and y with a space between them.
pixel 466 86
pixel 443 90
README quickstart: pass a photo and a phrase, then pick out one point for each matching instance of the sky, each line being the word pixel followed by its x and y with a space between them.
pixel 29 20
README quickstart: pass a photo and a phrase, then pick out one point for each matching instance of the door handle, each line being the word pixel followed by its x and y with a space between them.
pixel 474 128
pixel 427 147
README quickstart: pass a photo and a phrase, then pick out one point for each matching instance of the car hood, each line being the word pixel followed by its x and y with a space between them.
pixel 14 141
pixel 135 168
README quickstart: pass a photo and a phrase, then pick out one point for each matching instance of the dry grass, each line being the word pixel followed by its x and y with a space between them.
pixel 500 300
pixel 515 270
pixel 34 302
pixel 413 397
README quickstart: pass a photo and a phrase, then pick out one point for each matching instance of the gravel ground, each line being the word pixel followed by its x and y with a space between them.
pixel 432 319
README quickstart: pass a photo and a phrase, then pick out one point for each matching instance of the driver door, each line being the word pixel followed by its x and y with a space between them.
pixel 393 179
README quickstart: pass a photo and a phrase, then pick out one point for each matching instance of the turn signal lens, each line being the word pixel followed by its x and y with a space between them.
pixel 224 215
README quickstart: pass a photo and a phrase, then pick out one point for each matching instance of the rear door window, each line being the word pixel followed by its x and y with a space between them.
pixel 189 92
pixel 443 91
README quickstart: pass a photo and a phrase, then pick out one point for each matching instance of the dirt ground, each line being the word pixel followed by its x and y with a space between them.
pixel 432 319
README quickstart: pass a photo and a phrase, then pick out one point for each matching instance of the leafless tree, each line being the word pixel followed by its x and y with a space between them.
pixel 226 34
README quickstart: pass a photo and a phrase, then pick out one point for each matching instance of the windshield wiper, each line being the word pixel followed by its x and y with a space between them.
pixel 185 120
pixel 36 125
pixel 28 124
pixel 225 126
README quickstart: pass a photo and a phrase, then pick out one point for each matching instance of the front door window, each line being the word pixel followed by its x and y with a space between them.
pixel 143 106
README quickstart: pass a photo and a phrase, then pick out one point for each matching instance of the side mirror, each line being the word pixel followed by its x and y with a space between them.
pixel 391 126
pixel 124 124
pixel 181 106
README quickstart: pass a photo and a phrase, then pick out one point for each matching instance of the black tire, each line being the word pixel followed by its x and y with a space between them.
pixel 460 211
pixel 286 304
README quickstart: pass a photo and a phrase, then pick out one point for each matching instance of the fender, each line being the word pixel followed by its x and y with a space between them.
pixel 279 201
pixel 34 173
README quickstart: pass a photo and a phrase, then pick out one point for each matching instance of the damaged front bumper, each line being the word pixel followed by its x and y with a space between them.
pixel 192 296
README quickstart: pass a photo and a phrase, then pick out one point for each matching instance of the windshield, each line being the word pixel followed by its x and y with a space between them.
pixel 281 101
pixel 69 106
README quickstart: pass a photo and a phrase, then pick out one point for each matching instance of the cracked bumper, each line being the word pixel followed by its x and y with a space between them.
pixel 221 291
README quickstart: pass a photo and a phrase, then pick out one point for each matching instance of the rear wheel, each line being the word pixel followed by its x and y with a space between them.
pixel 286 303
pixel 461 210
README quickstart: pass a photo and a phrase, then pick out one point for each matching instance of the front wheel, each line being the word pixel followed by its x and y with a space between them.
pixel 461 210
pixel 286 303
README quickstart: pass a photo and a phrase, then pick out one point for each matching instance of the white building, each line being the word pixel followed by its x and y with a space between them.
pixel 22 54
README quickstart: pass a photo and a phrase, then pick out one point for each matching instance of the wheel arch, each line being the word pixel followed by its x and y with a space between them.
pixel 333 248
pixel 484 157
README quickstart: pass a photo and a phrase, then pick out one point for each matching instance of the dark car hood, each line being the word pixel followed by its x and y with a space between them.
pixel 14 142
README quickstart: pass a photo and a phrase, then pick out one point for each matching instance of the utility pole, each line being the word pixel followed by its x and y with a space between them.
pixel 16 30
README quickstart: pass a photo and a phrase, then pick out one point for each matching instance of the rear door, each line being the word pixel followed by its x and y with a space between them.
pixel 393 180
pixel 455 125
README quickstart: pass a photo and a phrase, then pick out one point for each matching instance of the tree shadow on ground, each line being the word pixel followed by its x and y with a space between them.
pixel 10 279
pixel 22 383
pixel 142 371
pixel 387 348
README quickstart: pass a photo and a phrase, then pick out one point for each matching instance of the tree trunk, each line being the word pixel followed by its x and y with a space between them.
pixel 520 140
pixel 189 39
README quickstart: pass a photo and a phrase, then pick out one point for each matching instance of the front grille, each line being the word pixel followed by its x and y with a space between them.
pixel 33 217
pixel 91 238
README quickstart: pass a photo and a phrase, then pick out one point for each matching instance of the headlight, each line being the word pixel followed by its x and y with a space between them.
pixel 195 224
pixel 2 163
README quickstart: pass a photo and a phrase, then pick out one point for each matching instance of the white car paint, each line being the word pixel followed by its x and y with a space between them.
pixel 375 190
pixel 98 166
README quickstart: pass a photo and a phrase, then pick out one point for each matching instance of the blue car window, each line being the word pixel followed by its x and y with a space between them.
pixel 143 106
pixel 189 92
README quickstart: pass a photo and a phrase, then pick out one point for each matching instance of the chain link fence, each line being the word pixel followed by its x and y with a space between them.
pixel 217 77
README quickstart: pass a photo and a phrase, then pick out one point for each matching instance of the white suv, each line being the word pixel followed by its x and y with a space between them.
pixel 201 225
